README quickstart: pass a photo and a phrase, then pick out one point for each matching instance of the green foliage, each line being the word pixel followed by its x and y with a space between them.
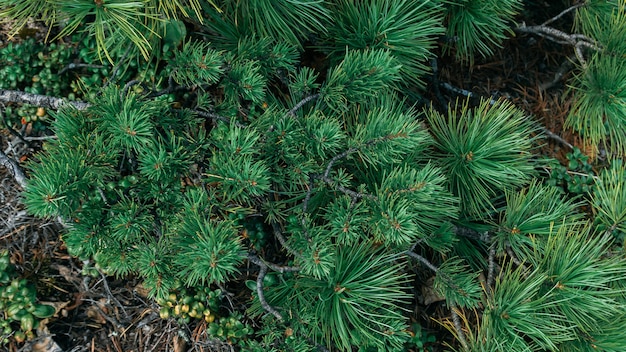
pixel 184 305
pixel 115 175
pixel 531 213
pixel 229 328
pixel 476 26
pixel 317 167
pixel 358 303
pixel 577 178
pixel 537 307
pixel 408 29
pixel 361 75
pixel 20 313
pixel 484 151
pixel 609 200
pixel 420 338
pixel 598 110
pixel 288 20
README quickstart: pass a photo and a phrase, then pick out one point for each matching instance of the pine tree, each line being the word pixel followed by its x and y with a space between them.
pixel 354 181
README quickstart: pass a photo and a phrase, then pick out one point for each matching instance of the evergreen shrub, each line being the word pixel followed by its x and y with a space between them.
pixel 333 178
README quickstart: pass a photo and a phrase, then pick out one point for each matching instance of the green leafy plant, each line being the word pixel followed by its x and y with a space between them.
pixel 20 312
pixel 185 305
pixel 577 178
pixel 229 328
pixel 420 338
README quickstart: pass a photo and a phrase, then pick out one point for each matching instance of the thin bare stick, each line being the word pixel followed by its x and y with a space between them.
pixel 423 260
pixel 563 13
pixel 557 138
pixel 217 117
pixel 491 269
pixel 456 320
pixel 578 41
pixel 283 241
pixel 15 96
pixel 259 291
pixel 281 269
pixel 74 66
pixel 14 168
pixel 41 138
pixel 514 258
pixel 300 104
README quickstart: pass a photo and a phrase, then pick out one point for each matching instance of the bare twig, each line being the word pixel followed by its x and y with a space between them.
pixel 217 117
pixel 423 260
pixel 557 138
pixel 578 41
pixel 300 104
pixel 283 241
pixel 456 320
pixel 514 258
pixel 74 66
pixel 558 76
pixel 117 66
pixel 14 168
pixel 490 269
pixel 463 92
pixel 259 291
pixel 563 13
pixel 14 96
pixel 41 138
pixel 281 269
pixel 453 308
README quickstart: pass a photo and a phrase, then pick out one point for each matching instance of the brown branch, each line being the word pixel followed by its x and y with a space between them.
pixel 15 96
pixel 14 168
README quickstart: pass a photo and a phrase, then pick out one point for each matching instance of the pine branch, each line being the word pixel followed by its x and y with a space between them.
pixel 469 94
pixel 14 96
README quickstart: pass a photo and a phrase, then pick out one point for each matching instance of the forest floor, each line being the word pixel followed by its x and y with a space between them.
pixel 97 314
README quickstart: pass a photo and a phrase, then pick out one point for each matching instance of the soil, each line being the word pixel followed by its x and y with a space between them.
pixel 107 314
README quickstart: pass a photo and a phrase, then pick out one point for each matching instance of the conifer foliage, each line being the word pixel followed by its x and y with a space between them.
pixel 351 180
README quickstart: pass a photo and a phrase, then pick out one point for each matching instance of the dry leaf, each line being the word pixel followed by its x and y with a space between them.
pixel 429 294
